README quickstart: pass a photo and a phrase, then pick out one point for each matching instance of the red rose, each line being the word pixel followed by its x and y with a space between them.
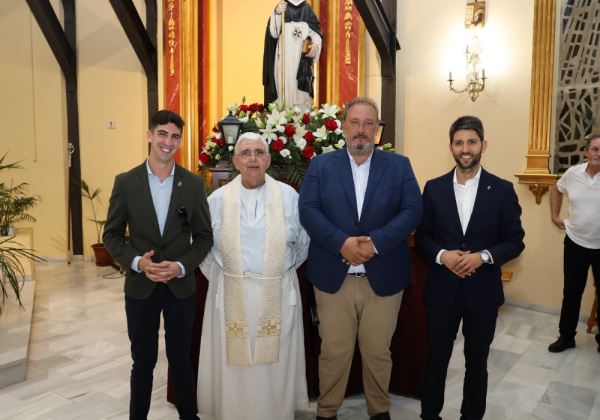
pixel 308 152
pixel 253 107
pixel 277 145
pixel 290 130
pixel 244 108
pixel 220 141
pixel 204 158
pixel 309 137
pixel 306 118
pixel 330 124
pixel 261 108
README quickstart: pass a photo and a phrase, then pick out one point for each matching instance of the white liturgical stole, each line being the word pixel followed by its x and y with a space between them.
pixel 269 321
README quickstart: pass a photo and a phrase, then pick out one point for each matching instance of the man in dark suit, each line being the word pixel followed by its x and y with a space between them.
pixel 158 229
pixel 471 226
pixel 358 205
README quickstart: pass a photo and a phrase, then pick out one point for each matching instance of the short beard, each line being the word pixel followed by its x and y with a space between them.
pixel 361 148
pixel 474 162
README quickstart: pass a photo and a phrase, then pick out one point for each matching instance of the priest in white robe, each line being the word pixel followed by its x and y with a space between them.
pixel 293 43
pixel 252 364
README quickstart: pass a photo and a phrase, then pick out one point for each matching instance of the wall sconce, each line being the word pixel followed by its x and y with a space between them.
pixel 475 77
pixel 230 127
pixel 379 133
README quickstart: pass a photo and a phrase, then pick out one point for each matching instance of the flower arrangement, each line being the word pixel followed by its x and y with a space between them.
pixel 294 137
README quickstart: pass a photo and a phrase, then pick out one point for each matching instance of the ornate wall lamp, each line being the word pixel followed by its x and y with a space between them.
pixel 475 74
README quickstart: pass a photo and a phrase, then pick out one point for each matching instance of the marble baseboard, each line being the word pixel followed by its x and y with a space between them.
pixel 541 308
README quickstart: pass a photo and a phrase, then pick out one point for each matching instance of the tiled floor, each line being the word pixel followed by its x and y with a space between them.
pixel 79 362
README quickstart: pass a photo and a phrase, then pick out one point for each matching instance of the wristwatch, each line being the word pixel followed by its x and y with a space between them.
pixel 485 257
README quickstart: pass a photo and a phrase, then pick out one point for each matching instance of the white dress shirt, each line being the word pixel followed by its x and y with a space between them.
pixel 465 195
pixel 360 176
pixel 161 198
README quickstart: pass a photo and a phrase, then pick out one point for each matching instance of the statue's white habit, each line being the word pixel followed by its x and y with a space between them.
pixel 252 364
pixel 296 80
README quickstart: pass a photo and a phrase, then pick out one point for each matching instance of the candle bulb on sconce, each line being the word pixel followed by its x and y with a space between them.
pixel 475 76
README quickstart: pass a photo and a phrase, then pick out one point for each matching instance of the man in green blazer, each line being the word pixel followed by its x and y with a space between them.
pixel 158 229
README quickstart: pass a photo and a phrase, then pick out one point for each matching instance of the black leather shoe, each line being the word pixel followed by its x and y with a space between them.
pixel 381 416
pixel 561 345
pixel 326 418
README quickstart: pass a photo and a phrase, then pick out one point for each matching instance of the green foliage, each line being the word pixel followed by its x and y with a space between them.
pixel 14 207
pixel 92 196
pixel 12 273
pixel 14 201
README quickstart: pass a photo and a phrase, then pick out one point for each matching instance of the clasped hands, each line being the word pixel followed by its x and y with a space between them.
pixel 461 263
pixel 160 272
pixel 357 250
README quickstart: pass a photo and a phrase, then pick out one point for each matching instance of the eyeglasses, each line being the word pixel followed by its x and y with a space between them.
pixel 257 153
pixel 185 225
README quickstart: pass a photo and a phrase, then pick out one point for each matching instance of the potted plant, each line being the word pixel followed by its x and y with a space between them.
pixel 103 258
pixel 14 205
pixel 14 201
pixel 12 273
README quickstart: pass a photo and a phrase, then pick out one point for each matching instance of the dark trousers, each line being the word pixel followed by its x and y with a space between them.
pixel 478 330
pixel 143 323
pixel 576 262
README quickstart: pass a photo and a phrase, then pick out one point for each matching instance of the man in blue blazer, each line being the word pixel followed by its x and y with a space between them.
pixel 471 227
pixel 358 205
pixel 158 229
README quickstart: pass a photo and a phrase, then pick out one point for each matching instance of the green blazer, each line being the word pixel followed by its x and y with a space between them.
pixel 132 229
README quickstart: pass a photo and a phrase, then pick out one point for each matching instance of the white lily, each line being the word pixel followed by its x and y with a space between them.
pixel 327 149
pixel 269 133
pixel 340 144
pixel 285 153
pixel 299 134
pixel 329 110
pixel 276 118
pixel 320 133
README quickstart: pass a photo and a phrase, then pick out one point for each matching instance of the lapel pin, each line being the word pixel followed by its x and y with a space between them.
pixel 489 187
pixel 180 183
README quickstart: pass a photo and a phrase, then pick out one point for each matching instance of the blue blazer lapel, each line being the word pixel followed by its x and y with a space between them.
pixel 376 170
pixel 345 173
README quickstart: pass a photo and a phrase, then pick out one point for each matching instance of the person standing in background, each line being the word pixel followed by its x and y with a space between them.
pixel 581 183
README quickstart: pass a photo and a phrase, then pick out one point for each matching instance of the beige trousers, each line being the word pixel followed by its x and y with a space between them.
pixel 355 311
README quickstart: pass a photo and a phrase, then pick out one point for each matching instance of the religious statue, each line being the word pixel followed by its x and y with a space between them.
pixel 292 44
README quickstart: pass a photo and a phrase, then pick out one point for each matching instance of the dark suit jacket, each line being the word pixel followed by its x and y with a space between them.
pixel 328 212
pixel 495 225
pixel 131 210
